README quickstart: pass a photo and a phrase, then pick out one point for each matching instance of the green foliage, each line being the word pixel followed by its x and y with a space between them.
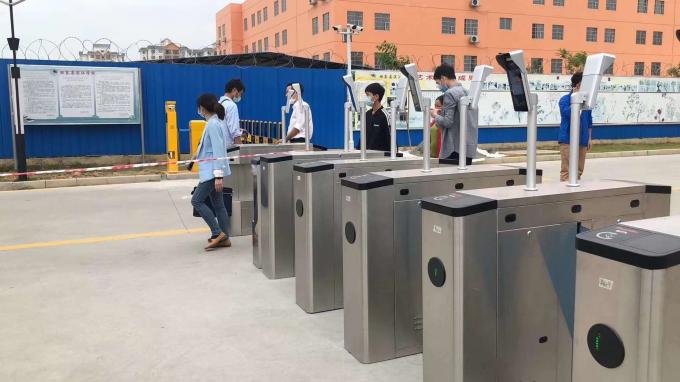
pixel 674 71
pixel 575 61
pixel 387 55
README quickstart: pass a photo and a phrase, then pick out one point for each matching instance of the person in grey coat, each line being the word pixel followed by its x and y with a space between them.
pixel 448 119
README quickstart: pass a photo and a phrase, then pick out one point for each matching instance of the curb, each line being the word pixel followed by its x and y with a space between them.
pixel 180 176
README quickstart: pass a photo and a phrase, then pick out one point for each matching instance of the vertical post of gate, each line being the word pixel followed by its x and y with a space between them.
pixel 172 137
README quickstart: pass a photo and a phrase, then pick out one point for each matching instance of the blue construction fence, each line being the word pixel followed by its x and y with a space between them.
pixel 262 101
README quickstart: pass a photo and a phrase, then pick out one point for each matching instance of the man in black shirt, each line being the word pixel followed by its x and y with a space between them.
pixel 377 121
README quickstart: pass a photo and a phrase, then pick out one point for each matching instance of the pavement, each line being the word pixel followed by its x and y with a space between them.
pixel 110 283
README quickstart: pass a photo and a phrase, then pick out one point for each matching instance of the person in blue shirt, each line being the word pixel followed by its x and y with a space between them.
pixel 585 135
pixel 233 93
pixel 211 173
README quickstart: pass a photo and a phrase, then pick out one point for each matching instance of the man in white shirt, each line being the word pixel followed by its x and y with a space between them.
pixel 300 118
pixel 233 92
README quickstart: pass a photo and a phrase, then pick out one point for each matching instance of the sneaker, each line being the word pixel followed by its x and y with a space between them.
pixel 214 243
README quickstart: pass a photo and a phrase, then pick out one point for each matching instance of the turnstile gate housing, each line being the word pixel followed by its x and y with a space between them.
pixel 382 253
pixel 627 303
pixel 504 310
pixel 275 220
pixel 318 221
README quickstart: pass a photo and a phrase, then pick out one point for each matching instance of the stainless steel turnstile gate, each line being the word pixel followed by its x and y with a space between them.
pixel 318 233
pixel 499 275
pixel 382 249
pixel 627 303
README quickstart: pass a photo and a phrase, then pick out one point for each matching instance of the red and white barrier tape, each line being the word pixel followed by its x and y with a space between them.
pixel 123 166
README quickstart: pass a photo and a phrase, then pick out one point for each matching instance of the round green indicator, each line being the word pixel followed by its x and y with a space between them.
pixel 606 346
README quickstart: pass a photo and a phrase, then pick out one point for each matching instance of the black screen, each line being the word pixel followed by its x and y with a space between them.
pixel 517 91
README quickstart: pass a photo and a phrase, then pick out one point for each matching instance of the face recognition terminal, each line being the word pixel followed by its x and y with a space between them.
pixel 420 104
pixel 398 104
pixel 470 102
pixel 504 309
pixel 627 305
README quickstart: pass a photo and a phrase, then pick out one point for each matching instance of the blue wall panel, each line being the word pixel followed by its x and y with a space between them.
pixel 262 101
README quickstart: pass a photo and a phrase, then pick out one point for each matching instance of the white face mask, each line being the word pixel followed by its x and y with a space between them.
pixel 369 103
pixel 199 114
pixel 237 99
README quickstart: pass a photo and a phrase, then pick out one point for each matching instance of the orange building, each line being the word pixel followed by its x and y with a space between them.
pixel 641 33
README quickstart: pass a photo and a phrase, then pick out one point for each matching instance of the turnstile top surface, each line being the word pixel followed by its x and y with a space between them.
pixel 263 148
pixel 446 172
pixel 629 243
pixel 556 192
pixel 357 163
pixel 669 225
pixel 330 154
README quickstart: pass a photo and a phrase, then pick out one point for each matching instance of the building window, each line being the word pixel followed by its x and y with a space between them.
pixel 326 21
pixel 594 4
pixel 265 13
pixel 642 8
pixel 315 25
pixel 327 56
pixel 449 59
pixel 276 8
pixel 254 47
pixel 378 62
pixel 641 37
pixel 246 49
pixel 252 20
pixel 659 7
pixel 558 3
pixel 506 23
pixel 657 38
pixel 591 34
pixel 539 2
pixel 610 35
pixel 469 63
pixel 259 17
pixel 556 66
pixel 315 57
pixel 284 5
pixel 448 25
pixel 656 69
pixel 537 65
pixel 355 18
pixel 382 21
pixel 639 69
pixel 471 27
pixel 558 32
pixel 537 31
pixel 611 5
pixel 284 37
pixel 357 58
pixel 259 45
pixel 245 24
pixel 277 40
pixel 266 44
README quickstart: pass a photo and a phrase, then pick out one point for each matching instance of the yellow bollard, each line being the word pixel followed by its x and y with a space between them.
pixel 195 134
pixel 172 134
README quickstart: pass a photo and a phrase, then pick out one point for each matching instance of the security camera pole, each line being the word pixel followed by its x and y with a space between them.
pixel 19 139
pixel 347 33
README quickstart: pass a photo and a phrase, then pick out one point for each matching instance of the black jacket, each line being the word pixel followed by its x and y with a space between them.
pixel 377 130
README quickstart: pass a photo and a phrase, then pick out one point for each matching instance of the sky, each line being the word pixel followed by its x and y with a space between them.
pixel 189 22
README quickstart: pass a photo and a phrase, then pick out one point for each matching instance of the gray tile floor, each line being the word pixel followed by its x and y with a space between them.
pixel 159 308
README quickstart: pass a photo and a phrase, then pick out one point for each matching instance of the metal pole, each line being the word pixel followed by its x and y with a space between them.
pixel 362 123
pixel 393 129
pixel 463 107
pixel 575 127
pixel 346 112
pixel 141 114
pixel 426 136
pixel 283 124
pixel 19 137
pixel 350 114
pixel 305 109
pixel 532 136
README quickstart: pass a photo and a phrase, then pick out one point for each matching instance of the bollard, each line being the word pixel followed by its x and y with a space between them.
pixel 172 136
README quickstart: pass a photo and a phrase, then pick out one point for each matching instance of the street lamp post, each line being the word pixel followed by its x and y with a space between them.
pixel 347 32
pixel 19 138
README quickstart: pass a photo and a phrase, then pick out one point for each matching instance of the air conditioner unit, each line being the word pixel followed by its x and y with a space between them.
pixel 474 39
pixel 313 2
pixel 475 3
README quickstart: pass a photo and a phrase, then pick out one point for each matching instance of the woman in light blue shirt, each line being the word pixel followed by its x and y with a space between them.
pixel 211 173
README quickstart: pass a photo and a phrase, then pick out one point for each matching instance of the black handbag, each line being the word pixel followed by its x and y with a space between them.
pixel 227 194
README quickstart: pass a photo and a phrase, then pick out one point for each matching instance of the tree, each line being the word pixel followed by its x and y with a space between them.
pixel 575 61
pixel 387 58
pixel 674 71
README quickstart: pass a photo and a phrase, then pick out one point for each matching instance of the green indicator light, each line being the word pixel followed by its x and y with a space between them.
pixel 597 342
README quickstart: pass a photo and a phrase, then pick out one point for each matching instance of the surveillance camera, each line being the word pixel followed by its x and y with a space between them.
pixel 337 28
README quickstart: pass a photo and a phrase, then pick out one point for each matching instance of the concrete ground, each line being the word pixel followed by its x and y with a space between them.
pixel 110 283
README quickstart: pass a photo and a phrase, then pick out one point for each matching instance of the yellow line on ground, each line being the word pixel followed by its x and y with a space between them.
pixel 103 239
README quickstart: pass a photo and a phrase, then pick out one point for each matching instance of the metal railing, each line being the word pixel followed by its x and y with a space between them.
pixel 261 132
